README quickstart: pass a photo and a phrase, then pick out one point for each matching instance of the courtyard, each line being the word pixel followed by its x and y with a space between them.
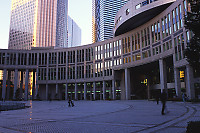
pixel 132 116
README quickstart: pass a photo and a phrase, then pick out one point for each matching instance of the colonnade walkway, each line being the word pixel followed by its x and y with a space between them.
pixel 140 116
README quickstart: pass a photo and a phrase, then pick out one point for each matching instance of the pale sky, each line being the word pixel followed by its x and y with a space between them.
pixel 79 10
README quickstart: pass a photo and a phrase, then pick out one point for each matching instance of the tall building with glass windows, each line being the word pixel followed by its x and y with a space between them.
pixel 38 23
pixel 74 33
pixel 103 15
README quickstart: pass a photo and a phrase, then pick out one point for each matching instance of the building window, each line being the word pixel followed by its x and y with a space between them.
pixel 127 11
pixel 138 6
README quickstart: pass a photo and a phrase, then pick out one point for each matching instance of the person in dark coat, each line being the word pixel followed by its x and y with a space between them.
pixel 163 99
pixel 72 103
pixel 69 102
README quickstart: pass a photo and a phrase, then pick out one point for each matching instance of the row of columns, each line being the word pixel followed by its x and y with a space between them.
pixel 113 95
pixel 16 80
pixel 189 80
pixel 163 83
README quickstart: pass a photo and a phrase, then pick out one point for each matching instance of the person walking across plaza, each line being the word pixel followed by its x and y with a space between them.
pixel 163 99
pixel 70 103
pixel 184 97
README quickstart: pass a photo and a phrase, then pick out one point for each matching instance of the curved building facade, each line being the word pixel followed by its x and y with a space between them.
pixel 134 65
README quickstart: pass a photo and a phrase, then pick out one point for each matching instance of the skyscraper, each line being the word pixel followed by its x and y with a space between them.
pixel 103 15
pixel 74 33
pixel 38 23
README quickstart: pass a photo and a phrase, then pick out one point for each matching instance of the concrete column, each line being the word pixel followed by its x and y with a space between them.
pixel 33 86
pixel 15 83
pixel 47 91
pixel 113 89
pixel 66 92
pixel 81 89
pixel 8 87
pixel 177 82
pixel 37 71
pixel 131 47
pixel 148 89
pixel 101 90
pixel 57 91
pixel 21 85
pixel 94 89
pixel 57 66
pixel 66 66
pixel 4 84
pixel 76 93
pixel 75 64
pixel 190 82
pixel 26 84
pixel 85 91
pixel 16 62
pixel 163 74
pixel 84 65
pixel 127 84
pixel 37 86
pixel 104 90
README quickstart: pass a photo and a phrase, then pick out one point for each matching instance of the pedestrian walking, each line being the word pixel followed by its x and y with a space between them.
pixel 163 99
pixel 69 102
pixel 184 97
pixel 72 102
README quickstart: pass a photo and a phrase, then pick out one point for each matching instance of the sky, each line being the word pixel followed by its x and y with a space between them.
pixel 79 10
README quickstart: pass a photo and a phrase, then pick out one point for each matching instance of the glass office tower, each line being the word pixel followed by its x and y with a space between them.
pixel 74 33
pixel 103 15
pixel 38 23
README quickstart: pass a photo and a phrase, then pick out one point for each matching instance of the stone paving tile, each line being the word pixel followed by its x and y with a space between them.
pixel 171 130
pixel 99 116
pixel 5 130
pixel 66 127
pixel 184 123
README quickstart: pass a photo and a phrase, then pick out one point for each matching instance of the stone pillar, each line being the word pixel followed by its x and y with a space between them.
pixel 122 86
pixel 94 89
pixel 37 86
pixel 26 85
pixel 76 93
pixel 57 91
pixel 148 88
pixel 100 88
pixel 110 91
pixel 85 91
pixel 104 90
pixel 81 89
pixel 21 85
pixel 4 84
pixel 15 83
pixel 163 74
pixel 47 91
pixel 190 82
pixel 177 82
pixel 33 86
pixel 8 87
pixel 37 72
pixel 113 89
pixel 127 84
pixel 66 92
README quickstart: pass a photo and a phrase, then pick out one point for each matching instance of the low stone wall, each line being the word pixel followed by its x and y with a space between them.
pixel 4 106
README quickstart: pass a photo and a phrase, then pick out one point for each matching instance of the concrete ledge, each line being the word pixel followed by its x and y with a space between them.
pixel 5 106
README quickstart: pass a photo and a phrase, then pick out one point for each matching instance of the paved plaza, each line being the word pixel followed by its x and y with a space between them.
pixel 134 116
